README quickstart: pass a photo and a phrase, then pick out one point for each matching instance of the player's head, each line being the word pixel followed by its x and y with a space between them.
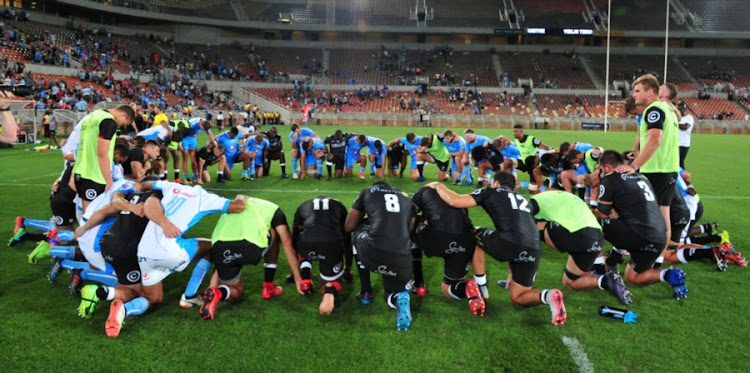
pixel 549 160
pixel 151 149
pixel 338 135
pixel 124 115
pixel 273 131
pixel 306 145
pixel 518 131
pixel 564 147
pixel 361 139
pixel 573 156
pixel 121 153
pixel 206 125
pixel 233 132
pixel 504 179
pixel 469 135
pixel 378 144
pixel 426 141
pixel 410 137
pixel 645 90
pixel 294 127
pixel 258 139
pixel 609 160
pixel 478 153
pixel 498 144
pixel 667 91
pixel 449 136
pixel 381 184
pixel 138 141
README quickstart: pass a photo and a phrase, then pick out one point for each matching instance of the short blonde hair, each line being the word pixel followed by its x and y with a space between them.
pixel 649 82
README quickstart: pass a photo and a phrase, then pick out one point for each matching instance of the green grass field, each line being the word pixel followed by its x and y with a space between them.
pixel 40 329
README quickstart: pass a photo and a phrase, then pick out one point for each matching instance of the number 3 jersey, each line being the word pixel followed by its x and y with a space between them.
pixel 389 211
pixel 634 200
pixel 511 214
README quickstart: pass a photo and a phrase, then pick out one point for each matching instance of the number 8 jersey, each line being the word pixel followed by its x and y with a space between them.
pixel 389 211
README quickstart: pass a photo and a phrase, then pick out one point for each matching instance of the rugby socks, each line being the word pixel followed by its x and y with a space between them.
pixel 364 275
pixel 305 270
pixel 600 282
pixel 64 236
pixel 220 175
pixel 467 175
pixel 372 168
pixel 109 279
pixel 225 291
pixel 105 292
pixel 328 168
pixel 294 166
pixel 390 299
pixel 599 267
pixel 319 163
pixel 614 257
pixel 458 290
pixel 361 169
pixel 252 170
pixel 72 264
pixel 401 173
pixel 543 296
pixel 163 176
pixel 42 225
pixel 283 167
pixel 244 173
pixel 65 252
pixel 688 255
pixel 200 270
pixel 269 271
pixel 195 176
pixel 481 279
pixel 135 307
pixel 524 184
pixel 176 173
pixel 705 240
pixel 420 168
pixel 416 253
pixel 659 261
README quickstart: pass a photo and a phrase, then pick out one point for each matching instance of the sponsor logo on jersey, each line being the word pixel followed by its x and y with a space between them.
pixel 595 247
pixel 315 256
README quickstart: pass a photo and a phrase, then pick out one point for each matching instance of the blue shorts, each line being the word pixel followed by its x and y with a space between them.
pixel 310 159
pixel 378 159
pixel 232 159
pixel 259 159
pixel 190 142
pixel 350 159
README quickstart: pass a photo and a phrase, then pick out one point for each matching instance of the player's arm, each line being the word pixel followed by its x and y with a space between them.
pixel 105 164
pixel 394 142
pixel 648 150
pixel 138 170
pixel 604 210
pixel 103 213
pixel 154 212
pixel 211 138
pixel 353 219
pixel 278 223
pixel 452 198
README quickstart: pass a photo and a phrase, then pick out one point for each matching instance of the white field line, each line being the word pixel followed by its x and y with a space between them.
pixel 35 177
pixel 578 355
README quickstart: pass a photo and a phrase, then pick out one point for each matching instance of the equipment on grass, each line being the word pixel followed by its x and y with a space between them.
pixel 628 317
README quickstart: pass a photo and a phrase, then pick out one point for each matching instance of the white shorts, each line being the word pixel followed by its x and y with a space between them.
pixel 89 244
pixel 158 255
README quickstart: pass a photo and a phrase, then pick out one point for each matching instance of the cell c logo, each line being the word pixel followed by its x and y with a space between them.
pixel 134 276
pixel 91 194
pixel 601 190
pixel 653 117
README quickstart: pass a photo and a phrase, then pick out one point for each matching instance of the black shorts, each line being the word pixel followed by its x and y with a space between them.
pixel 643 254
pixel 330 254
pixel 679 216
pixel 64 212
pixel 87 189
pixel 396 267
pixel 122 255
pixel 527 164
pixel 274 154
pixel 523 262
pixel 396 158
pixel 663 185
pixel 337 160
pixel 230 256
pixel 583 245
pixel 456 249
pixel 442 166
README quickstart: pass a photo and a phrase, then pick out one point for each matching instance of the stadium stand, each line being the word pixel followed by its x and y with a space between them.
pixel 554 14
pixel 713 69
pixel 474 14
pixel 713 108
pixel 628 67
pixel 640 15
pixel 367 12
pixel 314 12
pixel 720 15
pixel 547 69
